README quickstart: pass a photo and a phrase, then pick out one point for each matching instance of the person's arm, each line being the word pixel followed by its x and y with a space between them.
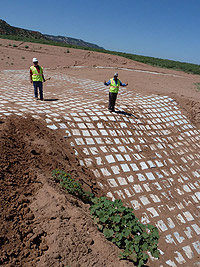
pixel 123 84
pixel 42 74
pixel 107 83
pixel 43 77
pixel 31 76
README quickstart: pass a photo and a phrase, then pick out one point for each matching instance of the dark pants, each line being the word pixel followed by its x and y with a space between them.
pixel 112 100
pixel 38 85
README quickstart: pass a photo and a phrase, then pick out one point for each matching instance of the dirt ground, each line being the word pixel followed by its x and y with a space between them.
pixel 179 85
pixel 40 225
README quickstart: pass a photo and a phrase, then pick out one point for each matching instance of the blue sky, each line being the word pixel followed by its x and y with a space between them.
pixel 167 29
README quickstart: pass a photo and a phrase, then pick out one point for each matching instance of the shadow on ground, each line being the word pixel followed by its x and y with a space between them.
pixel 125 113
pixel 51 99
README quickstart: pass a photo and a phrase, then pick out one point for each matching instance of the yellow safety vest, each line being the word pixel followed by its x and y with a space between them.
pixel 114 88
pixel 36 76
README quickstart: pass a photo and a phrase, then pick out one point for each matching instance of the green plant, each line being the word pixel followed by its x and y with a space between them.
pixel 22 57
pixel 26 46
pixel 198 86
pixel 14 45
pixel 73 187
pixel 119 225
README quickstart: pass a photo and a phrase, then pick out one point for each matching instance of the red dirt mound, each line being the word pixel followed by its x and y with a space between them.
pixel 192 109
pixel 40 225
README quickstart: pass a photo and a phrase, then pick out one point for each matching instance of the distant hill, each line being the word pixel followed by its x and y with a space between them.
pixel 71 41
pixel 7 29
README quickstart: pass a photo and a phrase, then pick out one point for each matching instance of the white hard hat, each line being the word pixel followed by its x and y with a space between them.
pixel 35 59
pixel 116 74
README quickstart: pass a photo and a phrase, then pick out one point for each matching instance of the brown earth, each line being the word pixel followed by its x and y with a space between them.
pixel 179 85
pixel 40 224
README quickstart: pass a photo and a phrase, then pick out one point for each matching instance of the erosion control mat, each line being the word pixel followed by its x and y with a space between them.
pixel 39 224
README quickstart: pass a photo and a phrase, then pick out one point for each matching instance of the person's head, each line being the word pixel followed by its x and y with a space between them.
pixel 116 76
pixel 35 61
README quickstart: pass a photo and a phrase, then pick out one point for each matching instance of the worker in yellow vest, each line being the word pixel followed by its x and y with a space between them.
pixel 114 83
pixel 37 78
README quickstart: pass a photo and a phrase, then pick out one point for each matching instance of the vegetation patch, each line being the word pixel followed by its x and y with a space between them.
pixel 117 222
pixel 119 225
pixel 197 86
pixel 73 187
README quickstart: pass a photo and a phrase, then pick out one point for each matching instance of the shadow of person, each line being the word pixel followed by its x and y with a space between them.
pixel 125 113
pixel 51 99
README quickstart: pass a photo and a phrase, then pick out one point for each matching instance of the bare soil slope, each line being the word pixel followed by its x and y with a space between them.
pixel 41 225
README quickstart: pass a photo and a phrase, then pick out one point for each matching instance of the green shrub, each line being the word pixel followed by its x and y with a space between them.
pixel 117 222
pixel 14 45
pixel 120 226
pixel 26 46
pixel 73 187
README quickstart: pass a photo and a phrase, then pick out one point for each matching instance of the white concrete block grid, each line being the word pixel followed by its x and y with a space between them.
pixel 152 164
